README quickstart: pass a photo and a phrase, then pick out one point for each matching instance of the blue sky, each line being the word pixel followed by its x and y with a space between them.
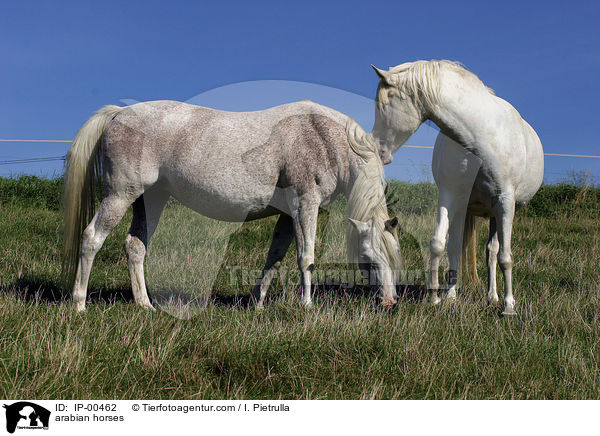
pixel 61 63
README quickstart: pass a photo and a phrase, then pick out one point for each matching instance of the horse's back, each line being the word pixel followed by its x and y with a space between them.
pixel 163 122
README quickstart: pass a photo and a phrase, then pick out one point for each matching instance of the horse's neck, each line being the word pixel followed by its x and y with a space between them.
pixel 355 166
pixel 487 126
pixel 461 121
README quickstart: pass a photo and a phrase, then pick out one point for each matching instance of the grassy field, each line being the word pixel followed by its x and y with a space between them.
pixel 344 348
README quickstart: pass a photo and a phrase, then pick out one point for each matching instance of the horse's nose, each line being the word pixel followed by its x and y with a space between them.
pixel 386 157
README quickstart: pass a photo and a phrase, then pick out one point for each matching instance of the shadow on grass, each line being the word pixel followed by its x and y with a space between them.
pixel 406 293
pixel 410 293
pixel 53 292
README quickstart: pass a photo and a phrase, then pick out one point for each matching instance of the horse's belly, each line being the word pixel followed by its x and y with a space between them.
pixel 228 201
pixel 229 185
pixel 227 211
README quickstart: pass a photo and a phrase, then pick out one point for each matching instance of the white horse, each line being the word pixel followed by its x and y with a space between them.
pixel 498 170
pixel 233 166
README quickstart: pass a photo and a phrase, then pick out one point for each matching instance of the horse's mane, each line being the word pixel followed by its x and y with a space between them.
pixel 421 79
pixel 367 198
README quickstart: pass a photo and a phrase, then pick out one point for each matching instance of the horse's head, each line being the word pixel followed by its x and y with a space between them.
pixel 397 116
pixel 376 254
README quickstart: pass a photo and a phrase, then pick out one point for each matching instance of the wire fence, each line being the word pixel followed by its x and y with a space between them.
pixel 7 162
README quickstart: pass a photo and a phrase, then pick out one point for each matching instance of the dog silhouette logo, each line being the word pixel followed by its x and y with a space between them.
pixel 26 415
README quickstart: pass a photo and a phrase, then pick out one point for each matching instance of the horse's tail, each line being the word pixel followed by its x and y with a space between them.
pixel 81 175
pixel 469 250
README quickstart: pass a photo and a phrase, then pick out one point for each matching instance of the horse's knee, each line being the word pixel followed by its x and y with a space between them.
pixel 493 247
pixel 505 260
pixel 134 248
pixel 90 243
pixel 88 232
pixel 306 263
pixel 436 247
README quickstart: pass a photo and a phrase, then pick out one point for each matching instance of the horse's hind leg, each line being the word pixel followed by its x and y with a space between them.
pixel 305 228
pixel 282 238
pixel 108 216
pixel 146 213
pixel 505 259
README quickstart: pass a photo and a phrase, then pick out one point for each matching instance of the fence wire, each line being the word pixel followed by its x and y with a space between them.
pixel 7 162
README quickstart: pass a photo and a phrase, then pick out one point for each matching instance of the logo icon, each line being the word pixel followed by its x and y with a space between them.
pixel 26 415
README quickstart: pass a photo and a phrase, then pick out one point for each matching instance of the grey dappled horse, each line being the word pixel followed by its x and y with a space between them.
pixel 288 160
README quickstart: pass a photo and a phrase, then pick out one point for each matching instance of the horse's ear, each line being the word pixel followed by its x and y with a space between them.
pixel 360 226
pixel 391 224
pixel 383 75
pixel 356 223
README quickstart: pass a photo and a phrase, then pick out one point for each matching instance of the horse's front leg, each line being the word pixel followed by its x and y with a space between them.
pixel 492 259
pixel 436 250
pixel 305 227
pixel 455 241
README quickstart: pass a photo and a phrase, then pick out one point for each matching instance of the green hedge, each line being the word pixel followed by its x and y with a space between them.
pixel 560 199
pixel 402 197
pixel 564 199
pixel 31 191
pixel 409 198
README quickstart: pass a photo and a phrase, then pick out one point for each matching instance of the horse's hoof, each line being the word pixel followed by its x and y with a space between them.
pixel 493 300
pixel 259 307
pixel 388 304
pixel 433 301
pixel 307 304
pixel 508 312
pixel 79 307
pixel 450 297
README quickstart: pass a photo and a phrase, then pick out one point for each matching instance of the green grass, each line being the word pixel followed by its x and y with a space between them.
pixel 344 348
